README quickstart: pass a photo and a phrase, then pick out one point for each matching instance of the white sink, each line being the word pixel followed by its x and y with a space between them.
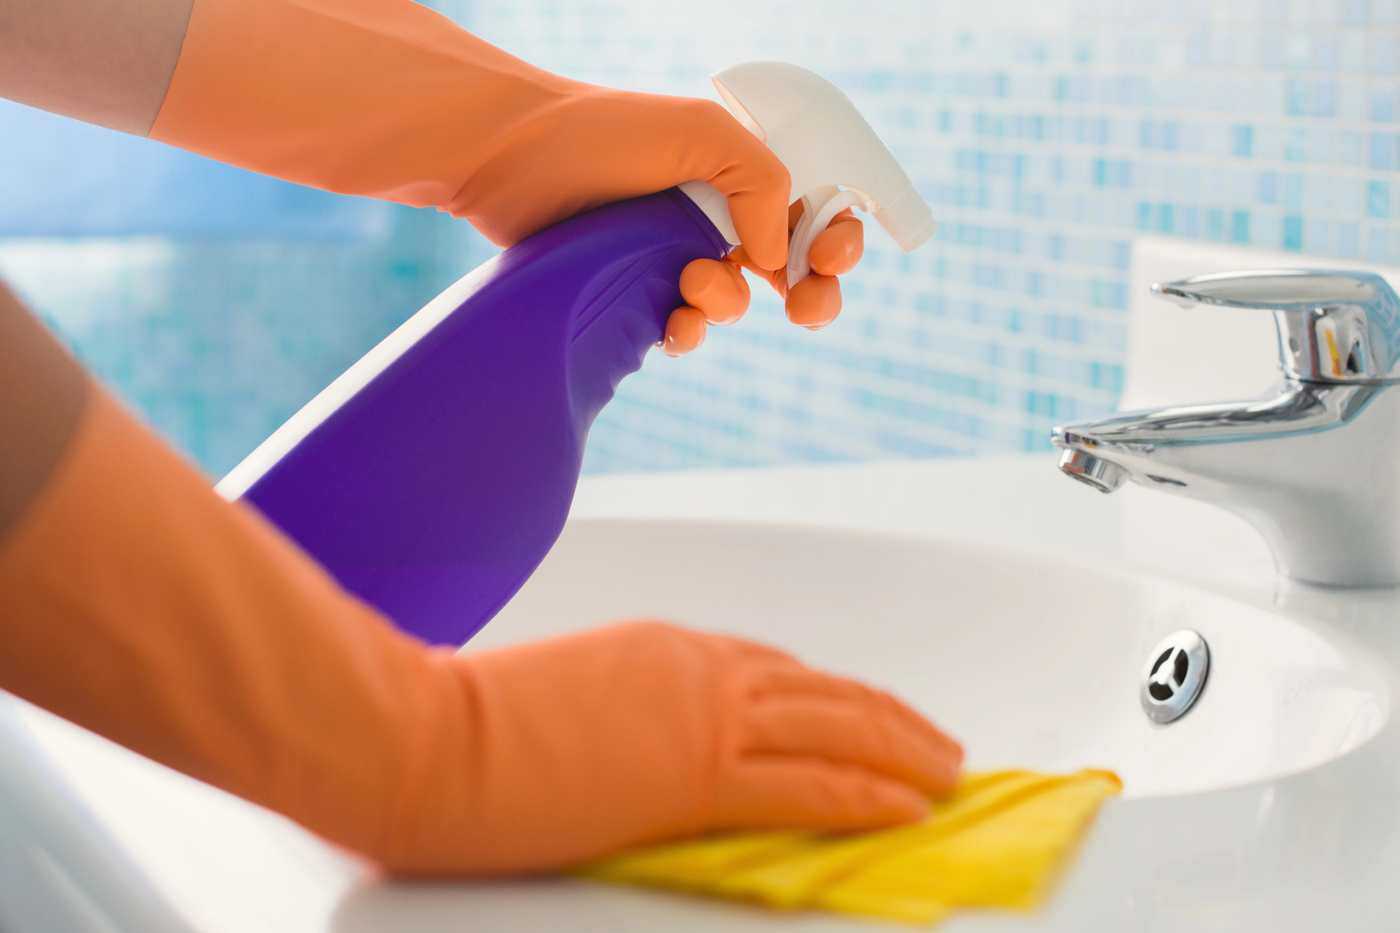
pixel 1030 660
pixel 1014 608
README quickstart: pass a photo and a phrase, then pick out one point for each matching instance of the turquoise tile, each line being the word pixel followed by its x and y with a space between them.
pixel 1239 227
pixel 1242 140
pixel 1293 233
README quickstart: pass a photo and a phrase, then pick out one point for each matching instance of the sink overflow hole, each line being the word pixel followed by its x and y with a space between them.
pixel 1174 676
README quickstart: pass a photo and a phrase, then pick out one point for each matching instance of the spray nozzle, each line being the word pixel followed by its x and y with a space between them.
pixel 835 159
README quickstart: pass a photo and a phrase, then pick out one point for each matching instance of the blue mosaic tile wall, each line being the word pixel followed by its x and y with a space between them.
pixel 213 300
pixel 1046 135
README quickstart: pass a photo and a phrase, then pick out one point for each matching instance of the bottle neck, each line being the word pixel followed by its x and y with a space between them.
pixel 714 206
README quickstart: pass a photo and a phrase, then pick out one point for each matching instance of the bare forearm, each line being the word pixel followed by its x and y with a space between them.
pixel 103 61
pixel 42 393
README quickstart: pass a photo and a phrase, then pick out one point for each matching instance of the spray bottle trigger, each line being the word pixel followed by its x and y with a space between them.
pixel 834 159
pixel 819 207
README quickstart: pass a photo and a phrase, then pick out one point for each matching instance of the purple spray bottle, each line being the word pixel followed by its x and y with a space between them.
pixel 432 477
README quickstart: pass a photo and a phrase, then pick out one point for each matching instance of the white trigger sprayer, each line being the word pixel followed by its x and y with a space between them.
pixel 835 159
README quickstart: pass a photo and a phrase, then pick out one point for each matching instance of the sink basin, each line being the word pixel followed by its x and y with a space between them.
pixel 1017 611
pixel 1031 661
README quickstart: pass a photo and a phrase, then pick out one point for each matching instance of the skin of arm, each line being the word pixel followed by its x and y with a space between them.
pixel 44 390
pixel 107 63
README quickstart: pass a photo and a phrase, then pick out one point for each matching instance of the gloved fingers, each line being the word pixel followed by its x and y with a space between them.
pixel 717 288
pixel 776 278
pixel 717 291
pixel 685 331
pixel 814 302
pixel 875 738
pixel 783 683
pixel 838 248
pixel 835 251
pixel 781 792
pixel 746 172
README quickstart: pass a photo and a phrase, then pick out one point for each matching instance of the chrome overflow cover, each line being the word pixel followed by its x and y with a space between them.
pixel 1175 673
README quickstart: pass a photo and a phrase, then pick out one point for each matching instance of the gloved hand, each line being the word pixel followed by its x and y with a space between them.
pixel 716 293
pixel 598 741
pixel 137 603
pixel 399 103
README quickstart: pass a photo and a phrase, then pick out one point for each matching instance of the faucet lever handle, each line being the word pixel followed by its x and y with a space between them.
pixel 1333 326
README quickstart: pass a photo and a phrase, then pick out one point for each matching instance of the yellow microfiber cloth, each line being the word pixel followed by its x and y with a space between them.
pixel 997 842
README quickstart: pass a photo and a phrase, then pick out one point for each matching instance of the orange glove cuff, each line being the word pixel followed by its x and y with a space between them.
pixel 137 603
pixel 374 97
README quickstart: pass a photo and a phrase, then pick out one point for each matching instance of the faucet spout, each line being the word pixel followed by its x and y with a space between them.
pixel 1316 469
pixel 1094 472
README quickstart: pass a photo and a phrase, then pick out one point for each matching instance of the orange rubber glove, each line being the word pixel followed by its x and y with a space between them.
pixel 388 99
pixel 136 602
pixel 715 291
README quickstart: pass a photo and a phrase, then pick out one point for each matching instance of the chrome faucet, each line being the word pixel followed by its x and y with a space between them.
pixel 1315 467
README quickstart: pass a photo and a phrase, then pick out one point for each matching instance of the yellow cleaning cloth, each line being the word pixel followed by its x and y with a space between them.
pixel 997 842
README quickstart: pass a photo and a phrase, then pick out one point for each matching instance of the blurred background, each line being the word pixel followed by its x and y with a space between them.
pixel 1045 133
